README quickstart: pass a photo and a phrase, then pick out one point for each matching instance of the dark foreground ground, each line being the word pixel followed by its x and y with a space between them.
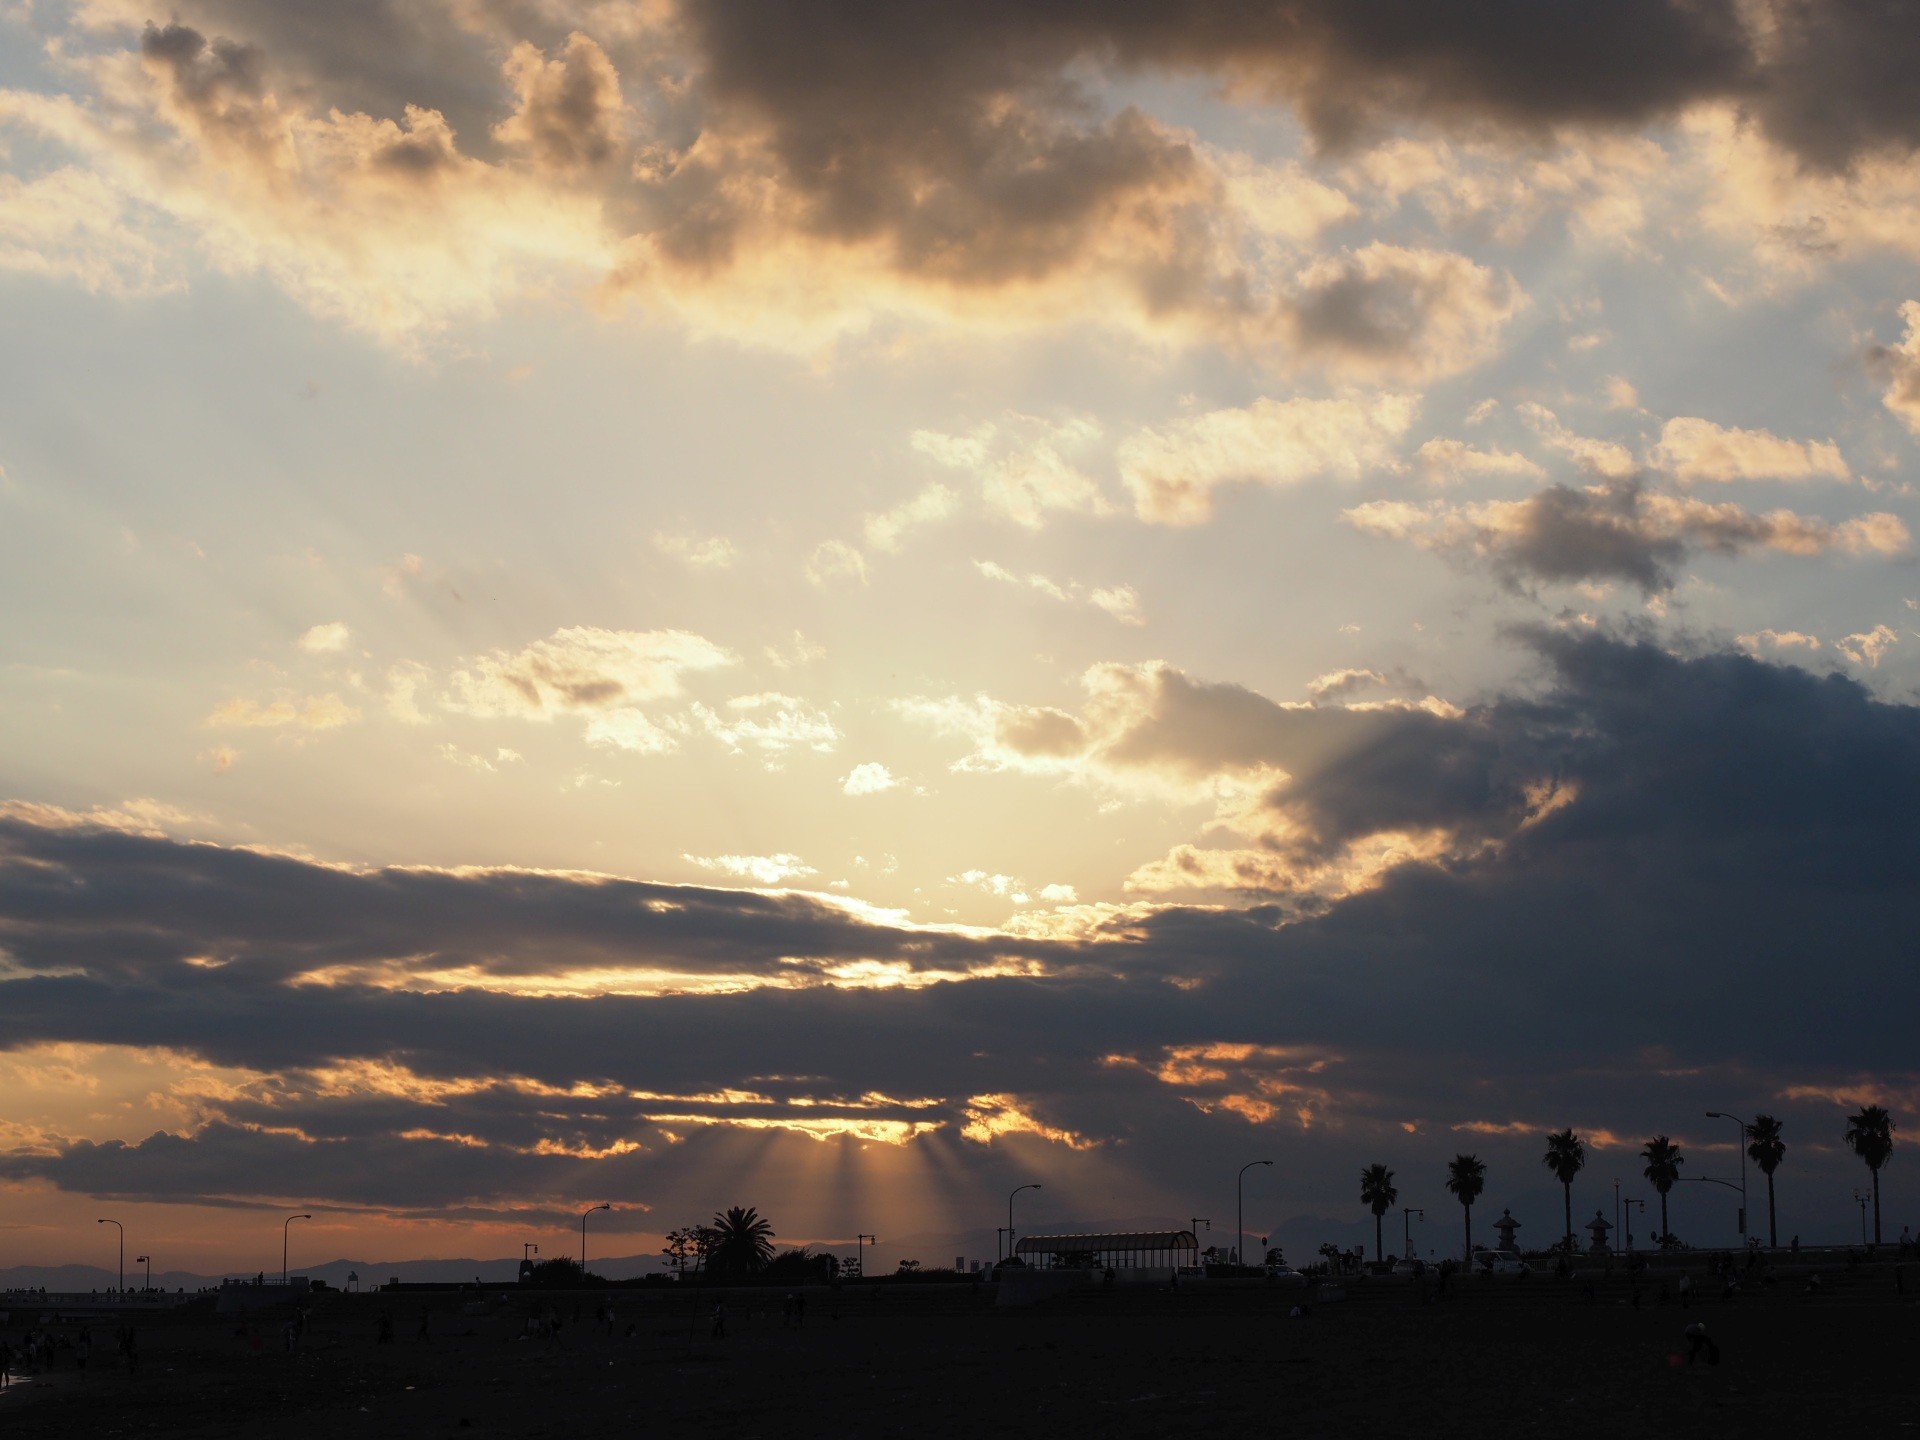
pixel 1221 1359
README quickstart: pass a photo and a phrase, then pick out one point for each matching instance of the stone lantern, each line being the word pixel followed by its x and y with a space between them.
pixel 1599 1226
pixel 1506 1225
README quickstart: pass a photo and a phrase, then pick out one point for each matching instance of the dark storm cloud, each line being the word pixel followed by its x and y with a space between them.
pixel 280 917
pixel 1728 893
pixel 1839 78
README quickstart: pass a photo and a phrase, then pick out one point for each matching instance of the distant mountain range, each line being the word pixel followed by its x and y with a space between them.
pixel 82 1278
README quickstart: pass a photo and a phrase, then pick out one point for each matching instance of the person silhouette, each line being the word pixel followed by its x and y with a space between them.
pixel 1699 1344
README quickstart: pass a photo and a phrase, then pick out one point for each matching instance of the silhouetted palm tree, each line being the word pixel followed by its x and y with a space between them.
pixel 745 1242
pixel 1663 1169
pixel 1466 1178
pixel 1766 1149
pixel 1870 1136
pixel 1378 1194
pixel 1565 1156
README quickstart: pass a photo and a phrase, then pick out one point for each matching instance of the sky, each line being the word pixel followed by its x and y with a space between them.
pixel 843 606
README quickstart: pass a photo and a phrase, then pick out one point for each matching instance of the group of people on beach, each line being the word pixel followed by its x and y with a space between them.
pixel 39 1351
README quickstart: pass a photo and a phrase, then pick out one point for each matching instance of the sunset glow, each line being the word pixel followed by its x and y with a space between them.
pixel 844 608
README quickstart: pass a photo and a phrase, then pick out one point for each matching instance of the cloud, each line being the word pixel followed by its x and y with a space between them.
pixel 1694 450
pixel 770 723
pixel 931 505
pixel 761 869
pixel 76 227
pixel 1025 467
pixel 325 639
pixel 1748 812
pixel 568 114
pixel 1777 640
pixel 355 216
pixel 1617 531
pixel 793 177
pixel 583 668
pixel 314 712
pixel 1336 683
pixel 1605 458
pixel 603 677
pixel 1119 601
pixel 1448 462
pixel 836 562
pixel 868 778
pixel 1389 313
pixel 794 653
pixel 1173 471
pixel 1867 648
pixel 1902 364
pixel 712 552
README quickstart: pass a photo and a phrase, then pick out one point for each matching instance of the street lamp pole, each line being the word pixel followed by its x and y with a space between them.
pixel 603 1205
pixel 1724 1115
pixel 1407 1213
pixel 123 1250
pixel 1240 1209
pixel 1194 1225
pixel 859 1253
pixel 1031 1185
pixel 286 1225
pixel 146 1260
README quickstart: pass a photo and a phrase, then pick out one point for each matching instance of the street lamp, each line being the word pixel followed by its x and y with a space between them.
pixel 1032 1185
pixel 1629 1204
pixel 285 1225
pixel 859 1252
pixel 1723 1115
pixel 603 1205
pixel 123 1250
pixel 1194 1225
pixel 146 1260
pixel 1240 1208
pixel 1406 1229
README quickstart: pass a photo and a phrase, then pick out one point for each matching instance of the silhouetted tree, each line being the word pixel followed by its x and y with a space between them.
pixel 563 1272
pixel 1377 1194
pixel 1663 1170
pixel 743 1243
pixel 1466 1178
pixel 1565 1157
pixel 1766 1149
pixel 802 1266
pixel 689 1242
pixel 1869 1135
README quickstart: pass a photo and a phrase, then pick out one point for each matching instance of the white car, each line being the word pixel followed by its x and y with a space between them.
pixel 1499 1265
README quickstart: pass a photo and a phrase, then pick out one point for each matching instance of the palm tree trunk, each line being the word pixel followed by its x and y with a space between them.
pixel 1773 1233
pixel 1567 1187
pixel 1376 1237
pixel 1876 1207
pixel 1469 1213
pixel 1663 1219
